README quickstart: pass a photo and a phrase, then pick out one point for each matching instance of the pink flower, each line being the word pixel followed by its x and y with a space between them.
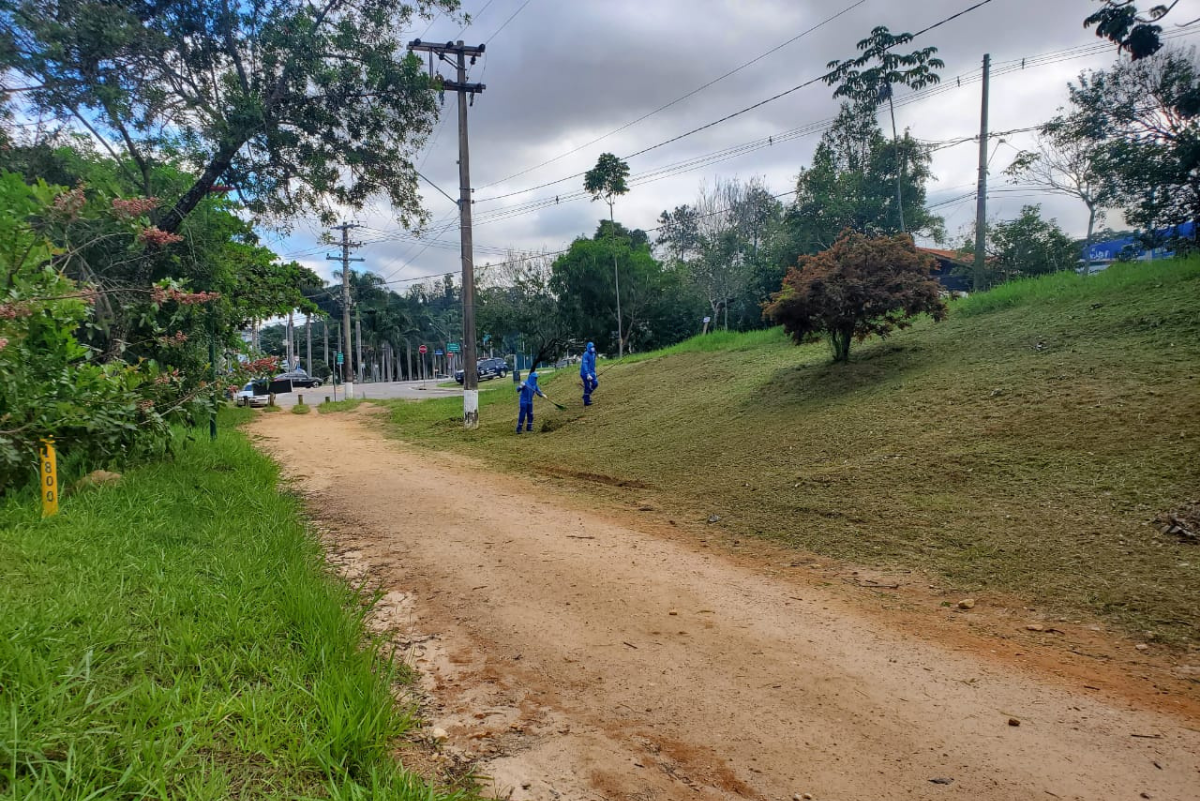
pixel 3 343
pixel 69 204
pixel 152 235
pixel 134 207
pixel 11 311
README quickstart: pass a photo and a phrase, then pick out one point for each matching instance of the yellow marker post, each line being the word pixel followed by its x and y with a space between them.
pixel 49 478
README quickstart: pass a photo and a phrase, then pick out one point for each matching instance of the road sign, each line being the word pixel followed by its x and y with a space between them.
pixel 452 347
pixel 423 349
pixel 438 352
pixel 340 358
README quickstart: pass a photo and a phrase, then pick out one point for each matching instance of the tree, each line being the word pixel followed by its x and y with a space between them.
pixel 525 307
pixel 1143 115
pixel 652 311
pixel 863 285
pixel 873 84
pixel 850 185
pixel 1120 22
pixel 1027 246
pixel 293 104
pixel 1068 161
pixel 607 181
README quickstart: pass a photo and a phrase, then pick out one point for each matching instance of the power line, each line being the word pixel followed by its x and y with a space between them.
pixel 727 117
pixel 680 99
pixel 505 25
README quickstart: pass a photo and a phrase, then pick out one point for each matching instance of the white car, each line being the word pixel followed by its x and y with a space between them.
pixel 249 397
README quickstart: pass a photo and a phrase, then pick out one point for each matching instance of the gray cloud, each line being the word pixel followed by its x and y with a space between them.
pixel 564 73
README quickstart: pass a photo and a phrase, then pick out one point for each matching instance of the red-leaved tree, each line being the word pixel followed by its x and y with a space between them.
pixel 862 285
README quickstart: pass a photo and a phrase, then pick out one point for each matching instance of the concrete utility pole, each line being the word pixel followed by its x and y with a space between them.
pixel 308 345
pixel 362 371
pixel 462 88
pixel 345 259
pixel 981 199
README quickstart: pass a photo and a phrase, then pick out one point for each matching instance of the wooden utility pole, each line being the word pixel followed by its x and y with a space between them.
pixel 345 259
pixel 981 199
pixel 461 52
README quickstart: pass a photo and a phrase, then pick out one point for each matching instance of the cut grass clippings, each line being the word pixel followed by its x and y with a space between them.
pixel 1025 445
pixel 179 636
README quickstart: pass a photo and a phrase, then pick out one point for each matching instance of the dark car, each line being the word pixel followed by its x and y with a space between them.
pixel 299 378
pixel 487 368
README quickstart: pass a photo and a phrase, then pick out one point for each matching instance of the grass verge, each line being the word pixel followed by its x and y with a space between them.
pixel 178 636
pixel 1025 445
pixel 301 408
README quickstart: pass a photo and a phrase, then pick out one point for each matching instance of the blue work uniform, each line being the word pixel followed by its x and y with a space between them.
pixel 528 388
pixel 587 373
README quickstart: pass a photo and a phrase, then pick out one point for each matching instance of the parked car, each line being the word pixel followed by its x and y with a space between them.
pixel 299 378
pixel 250 395
pixel 486 368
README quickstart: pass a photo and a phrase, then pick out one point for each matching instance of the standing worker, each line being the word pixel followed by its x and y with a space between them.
pixel 527 389
pixel 587 373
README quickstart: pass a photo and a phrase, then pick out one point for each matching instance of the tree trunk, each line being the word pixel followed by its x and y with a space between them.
pixel 216 168
pixel 612 230
pixel 899 166
pixel 1087 245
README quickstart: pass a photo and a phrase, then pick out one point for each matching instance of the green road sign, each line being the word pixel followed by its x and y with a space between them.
pixel 340 360
pixel 452 347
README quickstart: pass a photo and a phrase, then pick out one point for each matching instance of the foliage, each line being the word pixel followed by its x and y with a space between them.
pixel 294 105
pixel 1143 115
pixel 522 311
pixel 861 286
pixel 850 184
pixel 869 78
pixel 582 280
pixel 52 384
pixel 1068 161
pixel 1120 22
pixel 607 180
pixel 1026 246
pixel 180 635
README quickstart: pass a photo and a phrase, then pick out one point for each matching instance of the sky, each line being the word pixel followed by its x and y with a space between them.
pixel 562 74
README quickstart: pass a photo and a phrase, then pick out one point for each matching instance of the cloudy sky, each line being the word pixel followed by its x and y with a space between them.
pixel 562 74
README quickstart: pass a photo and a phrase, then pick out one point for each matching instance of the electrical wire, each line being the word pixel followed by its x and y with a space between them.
pixel 505 25
pixel 681 98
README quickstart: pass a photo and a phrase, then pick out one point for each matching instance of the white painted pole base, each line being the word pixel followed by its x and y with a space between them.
pixel 349 387
pixel 471 408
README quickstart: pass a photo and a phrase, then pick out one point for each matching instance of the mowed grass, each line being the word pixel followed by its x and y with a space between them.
pixel 1022 446
pixel 178 636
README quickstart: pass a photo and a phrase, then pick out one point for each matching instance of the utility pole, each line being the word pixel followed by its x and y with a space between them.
pixel 981 199
pixel 345 259
pixel 308 338
pixel 362 372
pixel 462 88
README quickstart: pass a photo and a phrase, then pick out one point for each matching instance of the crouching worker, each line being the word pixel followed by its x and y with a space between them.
pixel 587 373
pixel 527 389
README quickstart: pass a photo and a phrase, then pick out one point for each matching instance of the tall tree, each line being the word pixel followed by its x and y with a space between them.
pixel 294 104
pixel 849 185
pixel 871 76
pixel 1145 116
pixel 1069 161
pixel 607 181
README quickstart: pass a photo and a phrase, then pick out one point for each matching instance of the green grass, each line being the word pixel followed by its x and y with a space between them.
pixel 301 408
pixel 1022 446
pixel 333 407
pixel 178 636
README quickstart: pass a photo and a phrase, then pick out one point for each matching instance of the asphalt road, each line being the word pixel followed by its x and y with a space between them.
pixel 396 390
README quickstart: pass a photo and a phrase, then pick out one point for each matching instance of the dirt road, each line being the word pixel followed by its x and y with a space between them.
pixel 579 656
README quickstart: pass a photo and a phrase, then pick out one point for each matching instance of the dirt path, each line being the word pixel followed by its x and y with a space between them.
pixel 581 658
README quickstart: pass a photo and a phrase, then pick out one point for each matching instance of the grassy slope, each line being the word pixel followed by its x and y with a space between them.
pixel 1022 445
pixel 179 637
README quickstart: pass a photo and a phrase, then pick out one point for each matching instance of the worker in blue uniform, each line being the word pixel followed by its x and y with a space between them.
pixel 587 373
pixel 527 389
